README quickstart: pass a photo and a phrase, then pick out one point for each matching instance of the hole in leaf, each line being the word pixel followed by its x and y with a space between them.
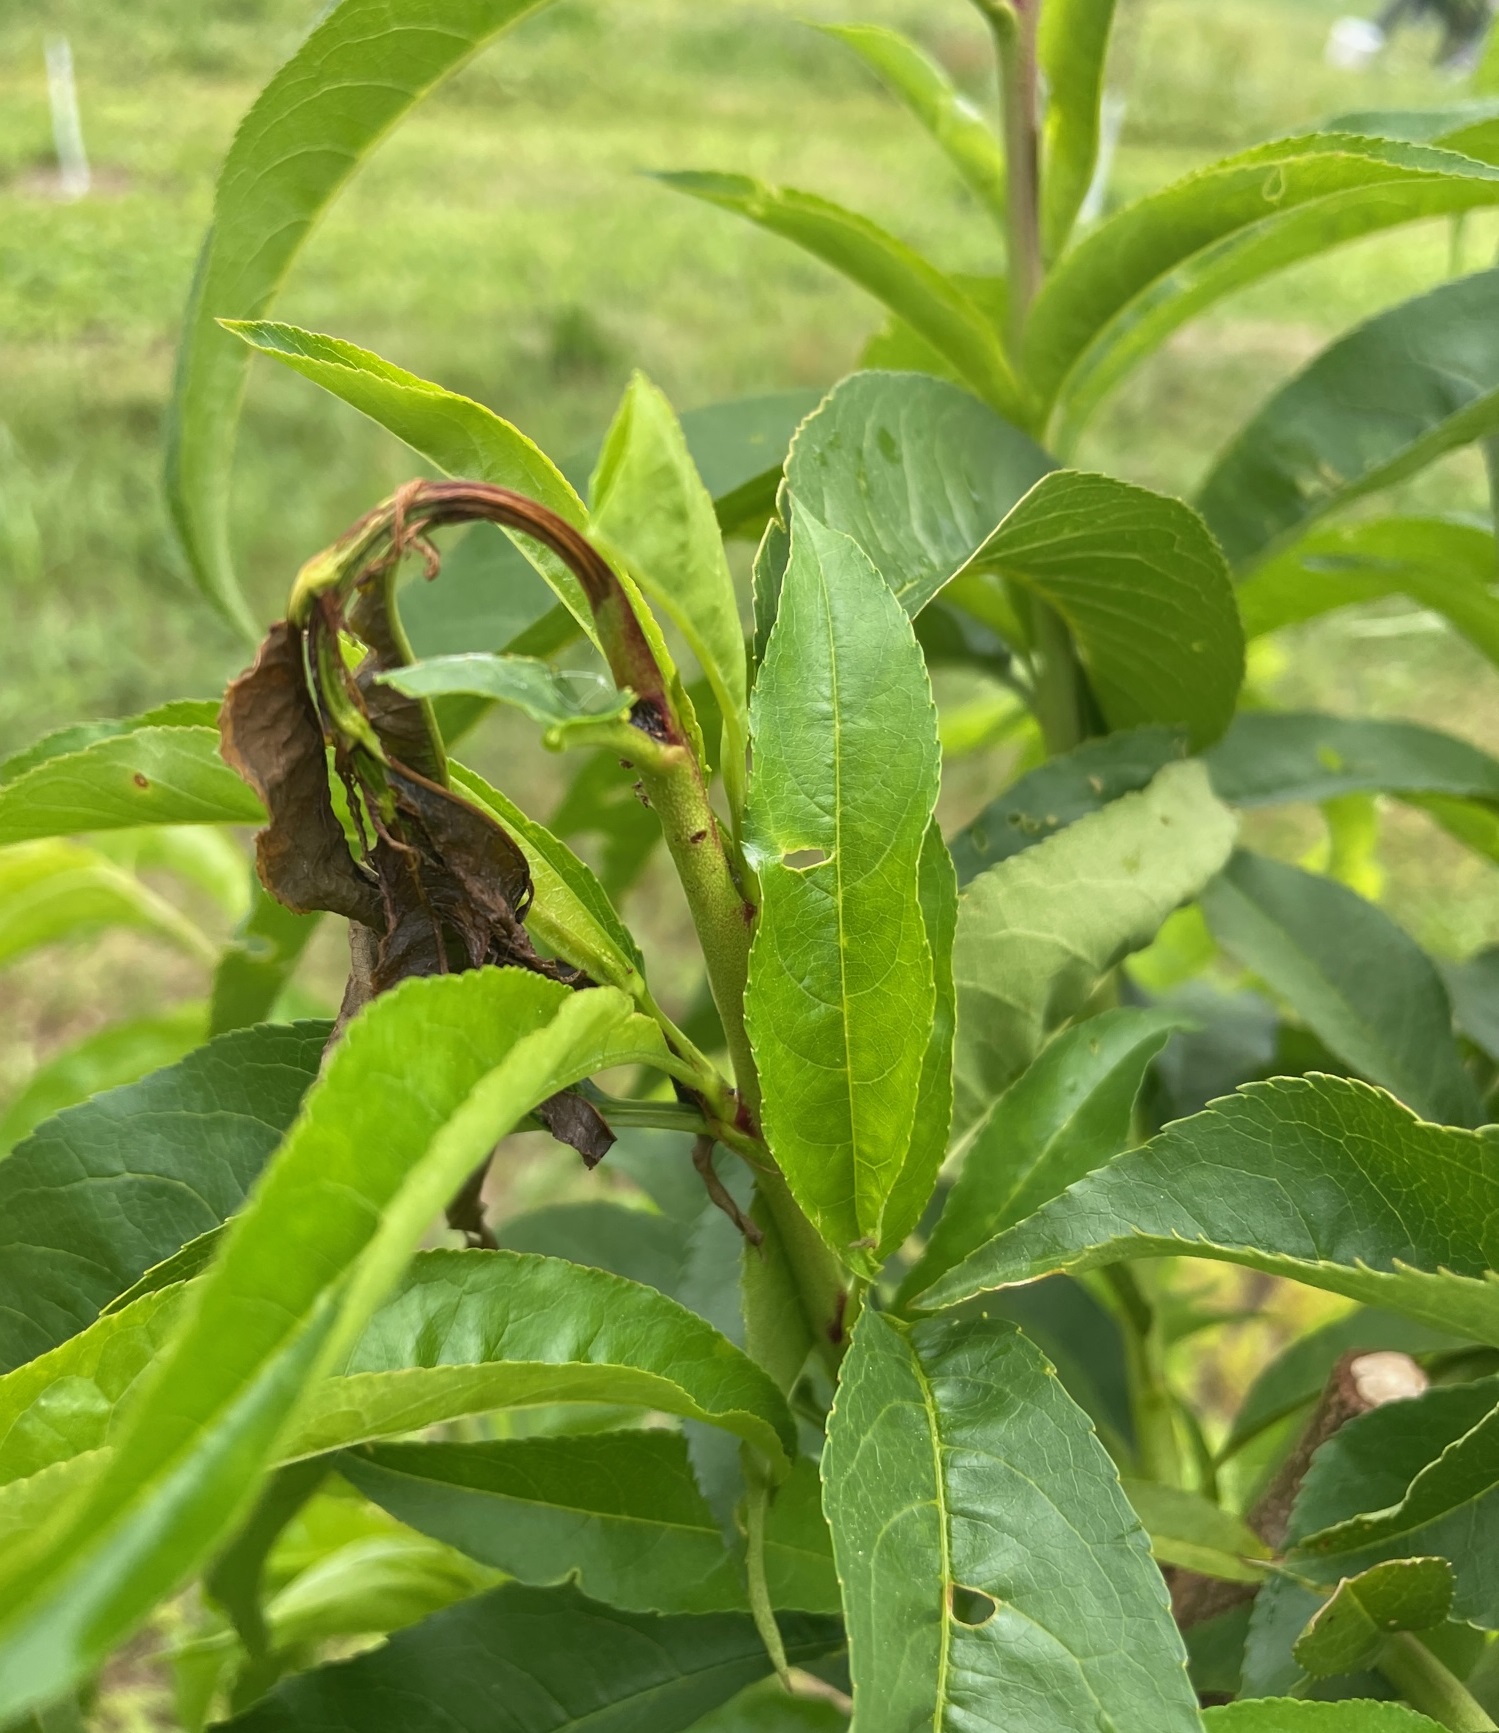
pixel 800 859
pixel 971 1607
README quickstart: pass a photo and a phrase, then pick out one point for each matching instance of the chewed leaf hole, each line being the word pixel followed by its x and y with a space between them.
pixel 799 860
pixel 971 1607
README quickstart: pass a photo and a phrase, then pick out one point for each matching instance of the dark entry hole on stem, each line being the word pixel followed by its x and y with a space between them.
pixel 802 858
pixel 971 1607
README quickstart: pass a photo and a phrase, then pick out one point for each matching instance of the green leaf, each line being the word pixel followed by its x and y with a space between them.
pixel 1037 932
pixel 1144 590
pixel 1059 792
pixel 1447 567
pixel 65 1403
pixel 1191 1532
pixel 1083 1340
pixel 937 889
pixel 932 303
pixel 1377 406
pixel 1363 1474
pixel 1286 1715
pixel 620 1512
pixel 767 1709
pixel 62 742
pixel 151 775
pixel 471 1331
pixel 1269 757
pixel 925 88
pixel 993 1574
pixel 1368 991
pixel 379 1584
pixel 98 1195
pixel 739 448
pixel 1348 1632
pixel 554 1661
pixel 916 470
pixel 258 962
pixel 1072 49
pixel 517 1330
pixel 637 1244
pixel 119 1053
pixel 567 702
pixel 1465 1471
pixel 1068 1113
pixel 331 1224
pixel 1296 1377
pixel 841 987
pixel 358 71
pixel 1121 291
pixel 54 890
pixel 570 910
pixel 456 434
pixel 652 513
pixel 1321 1179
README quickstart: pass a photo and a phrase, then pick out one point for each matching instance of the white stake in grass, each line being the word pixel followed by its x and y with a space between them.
pixel 67 129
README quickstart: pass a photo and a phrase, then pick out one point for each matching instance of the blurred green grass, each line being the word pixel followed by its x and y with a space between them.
pixel 510 242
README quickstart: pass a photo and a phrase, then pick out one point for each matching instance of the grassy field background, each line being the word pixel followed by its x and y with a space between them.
pixel 510 243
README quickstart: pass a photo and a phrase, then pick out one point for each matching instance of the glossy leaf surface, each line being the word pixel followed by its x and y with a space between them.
pixel 548 1660
pixel 152 775
pixel 1144 590
pixel 1068 1113
pixel 98 1195
pixel 1123 289
pixel 621 1510
pixel 469 1331
pixel 841 989
pixel 993 1575
pixel 1379 405
pixel 1368 990
pixel 358 71
pixel 929 301
pixel 331 1225
pixel 1037 932
pixel 916 470
pixel 565 701
pixel 1321 1179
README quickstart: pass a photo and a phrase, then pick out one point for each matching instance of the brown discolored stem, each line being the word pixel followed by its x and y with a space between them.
pixel 1357 1384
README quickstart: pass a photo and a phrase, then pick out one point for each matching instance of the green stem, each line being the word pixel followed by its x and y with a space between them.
pixel 1428 1686
pixel 821 1282
pixel 1157 1450
pixel 1062 700
pixel 1013 23
pixel 762 1610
